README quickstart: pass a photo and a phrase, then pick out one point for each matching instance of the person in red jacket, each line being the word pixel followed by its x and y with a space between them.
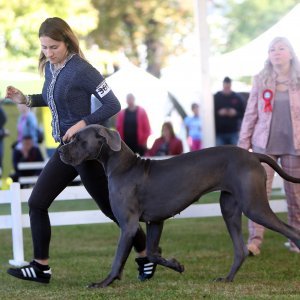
pixel 167 144
pixel 133 125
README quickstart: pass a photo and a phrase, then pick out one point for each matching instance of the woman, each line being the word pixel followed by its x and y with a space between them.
pixel 271 125
pixel 167 144
pixel 28 152
pixel 69 83
pixel 27 125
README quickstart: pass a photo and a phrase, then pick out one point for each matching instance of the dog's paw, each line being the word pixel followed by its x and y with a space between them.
pixel 102 284
pixel 181 270
pixel 94 285
pixel 221 279
pixel 176 265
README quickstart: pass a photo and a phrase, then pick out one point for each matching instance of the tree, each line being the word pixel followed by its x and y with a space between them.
pixel 245 20
pixel 20 20
pixel 146 30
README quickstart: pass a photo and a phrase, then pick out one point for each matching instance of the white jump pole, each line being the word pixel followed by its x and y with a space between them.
pixel 17 226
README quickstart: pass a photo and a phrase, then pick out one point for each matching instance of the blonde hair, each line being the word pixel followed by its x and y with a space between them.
pixel 58 30
pixel 268 75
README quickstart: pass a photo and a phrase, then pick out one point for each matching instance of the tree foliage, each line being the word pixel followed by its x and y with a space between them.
pixel 21 19
pixel 156 26
pixel 147 31
pixel 247 19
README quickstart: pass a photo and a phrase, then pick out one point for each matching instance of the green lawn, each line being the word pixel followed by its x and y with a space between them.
pixel 83 254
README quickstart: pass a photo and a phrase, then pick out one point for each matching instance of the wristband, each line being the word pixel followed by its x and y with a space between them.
pixel 28 102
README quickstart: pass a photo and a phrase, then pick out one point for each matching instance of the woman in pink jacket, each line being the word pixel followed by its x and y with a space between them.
pixel 134 126
pixel 271 125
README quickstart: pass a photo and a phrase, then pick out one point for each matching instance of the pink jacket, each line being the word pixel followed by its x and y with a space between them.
pixel 143 125
pixel 256 123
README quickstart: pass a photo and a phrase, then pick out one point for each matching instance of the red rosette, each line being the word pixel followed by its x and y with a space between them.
pixel 268 96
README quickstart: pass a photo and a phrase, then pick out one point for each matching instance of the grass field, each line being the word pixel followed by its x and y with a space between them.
pixel 83 254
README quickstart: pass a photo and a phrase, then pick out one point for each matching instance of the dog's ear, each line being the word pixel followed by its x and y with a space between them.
pixel 112 137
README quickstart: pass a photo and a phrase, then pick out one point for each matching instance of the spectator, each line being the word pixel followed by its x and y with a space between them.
pixel 167 144
pixel 193 127
pixel 271 126
pixel 3 133
pixel 28 152
pixel 26 125
pixel 133 126
pixel 229 111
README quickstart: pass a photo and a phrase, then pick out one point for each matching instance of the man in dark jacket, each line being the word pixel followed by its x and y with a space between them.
pixel 229 111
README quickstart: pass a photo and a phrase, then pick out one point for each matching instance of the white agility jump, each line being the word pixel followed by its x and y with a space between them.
pixel 17 221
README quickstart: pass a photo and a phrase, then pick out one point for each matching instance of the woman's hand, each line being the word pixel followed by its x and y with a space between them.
pixel 72 131
pixel 15 95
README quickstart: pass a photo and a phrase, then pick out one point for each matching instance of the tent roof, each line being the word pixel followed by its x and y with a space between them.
pixel 149 92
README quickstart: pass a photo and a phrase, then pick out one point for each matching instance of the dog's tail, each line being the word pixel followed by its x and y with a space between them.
pixel 274 165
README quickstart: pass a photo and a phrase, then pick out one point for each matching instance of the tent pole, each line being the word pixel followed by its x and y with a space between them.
pixel 206 97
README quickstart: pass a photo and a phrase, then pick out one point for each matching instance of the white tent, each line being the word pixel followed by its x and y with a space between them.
pixel 150 93
pixel 249 59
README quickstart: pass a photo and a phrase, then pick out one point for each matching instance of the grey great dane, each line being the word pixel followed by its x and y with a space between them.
pixel 152 191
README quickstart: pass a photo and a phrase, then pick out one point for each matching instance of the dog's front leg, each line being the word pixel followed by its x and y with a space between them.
pixel 154 230
pixel 124 247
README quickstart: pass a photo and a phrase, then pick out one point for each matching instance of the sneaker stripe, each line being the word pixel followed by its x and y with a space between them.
pixel 24 273
pixel 148 272
pixel 28 272
pixel 33 272
pixel 149 268
pixel 47 272
pixel 148 264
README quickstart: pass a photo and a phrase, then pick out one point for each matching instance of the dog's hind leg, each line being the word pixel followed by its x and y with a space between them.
pixel 261 213
pixel 232 215
pixel 272 222
pixel 154 231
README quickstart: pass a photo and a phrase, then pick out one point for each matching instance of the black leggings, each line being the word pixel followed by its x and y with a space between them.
pixel 55 176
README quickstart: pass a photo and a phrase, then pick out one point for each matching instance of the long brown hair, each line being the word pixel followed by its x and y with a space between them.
pixel 169 126
pixel 58 30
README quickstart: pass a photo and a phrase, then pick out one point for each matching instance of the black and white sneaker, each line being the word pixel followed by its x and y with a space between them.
pixel 33 272
pixel 146 268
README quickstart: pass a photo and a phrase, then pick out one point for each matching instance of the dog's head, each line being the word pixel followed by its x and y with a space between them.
pixel 88 143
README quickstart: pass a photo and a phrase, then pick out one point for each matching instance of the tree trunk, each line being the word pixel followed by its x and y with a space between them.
pixel 154 57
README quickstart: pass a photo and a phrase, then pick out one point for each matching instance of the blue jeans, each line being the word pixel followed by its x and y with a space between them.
pixel 227 138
